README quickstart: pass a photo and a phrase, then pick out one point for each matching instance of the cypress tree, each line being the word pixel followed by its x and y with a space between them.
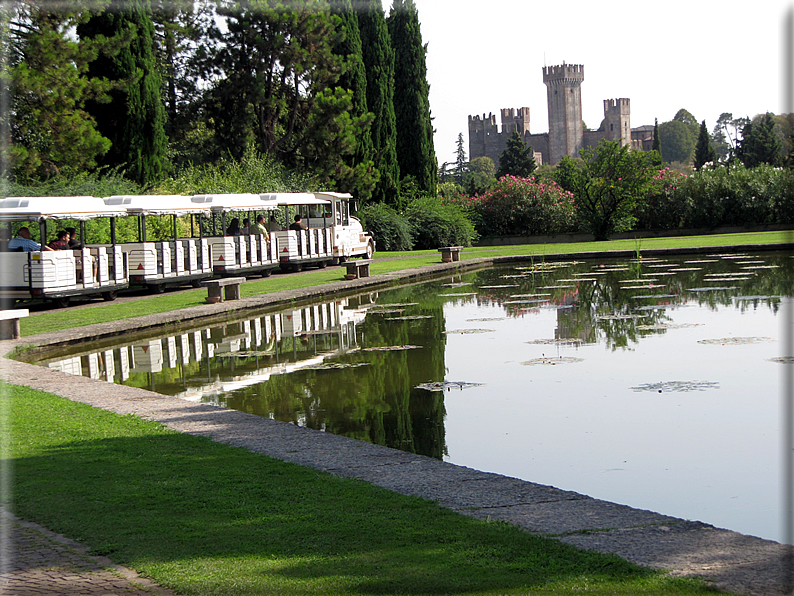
pixel 379 64
pixel 415 152
pixel 354 78
pixel 134 119
pixel 760 144
pixel 704 152
pixel 657 143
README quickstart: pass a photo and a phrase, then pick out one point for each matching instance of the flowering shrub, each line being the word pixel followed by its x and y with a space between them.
pixel 662 208
pixel 437 222
pixel 522 207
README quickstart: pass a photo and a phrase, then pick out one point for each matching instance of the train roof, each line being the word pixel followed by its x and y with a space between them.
pixel 280 199
pixel 233 202
pixel 38 208
pixel 156 204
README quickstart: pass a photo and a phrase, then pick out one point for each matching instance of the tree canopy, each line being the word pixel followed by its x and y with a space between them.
pixel 517 159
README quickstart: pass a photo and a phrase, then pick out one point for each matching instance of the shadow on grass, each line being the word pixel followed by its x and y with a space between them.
pixel 189 513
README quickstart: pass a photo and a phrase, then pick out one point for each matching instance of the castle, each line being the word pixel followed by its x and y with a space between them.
pixel 566 134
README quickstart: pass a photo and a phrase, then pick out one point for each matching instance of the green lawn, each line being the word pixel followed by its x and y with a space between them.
pixel 69 318
pixel 206 518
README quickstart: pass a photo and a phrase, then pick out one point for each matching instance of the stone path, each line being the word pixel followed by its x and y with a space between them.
pixel 731 561
pixel 37 562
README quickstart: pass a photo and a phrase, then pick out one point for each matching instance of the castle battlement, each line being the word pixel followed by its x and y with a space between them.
pixel 566 134
pixel 618 106
pixel 563 74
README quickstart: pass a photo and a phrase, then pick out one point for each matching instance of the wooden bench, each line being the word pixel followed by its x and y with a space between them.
pixel 356 269
pixel 9 322
pixel 230 286
pixel 450 253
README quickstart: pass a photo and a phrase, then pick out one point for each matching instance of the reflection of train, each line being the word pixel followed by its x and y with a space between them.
pixel 330 235
pixel 262 339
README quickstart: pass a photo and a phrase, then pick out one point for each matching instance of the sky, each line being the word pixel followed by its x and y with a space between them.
pixel 663 56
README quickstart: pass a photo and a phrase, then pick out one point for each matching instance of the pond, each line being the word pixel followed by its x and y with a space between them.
pixel 655 383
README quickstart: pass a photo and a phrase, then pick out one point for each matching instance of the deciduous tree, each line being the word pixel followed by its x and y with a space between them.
pixel 760 143
pixel 610 181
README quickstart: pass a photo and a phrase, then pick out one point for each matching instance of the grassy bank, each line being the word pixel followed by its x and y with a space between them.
pixel 206 518
pixel 69 318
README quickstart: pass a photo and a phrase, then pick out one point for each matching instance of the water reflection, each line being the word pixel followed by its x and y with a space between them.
pixel 648 382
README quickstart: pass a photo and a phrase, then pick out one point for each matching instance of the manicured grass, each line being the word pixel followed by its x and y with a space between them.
pixel 205 518
pixel 66 319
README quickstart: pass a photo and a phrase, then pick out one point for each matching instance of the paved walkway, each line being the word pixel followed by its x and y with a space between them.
pixel 732 561
pixel 37 562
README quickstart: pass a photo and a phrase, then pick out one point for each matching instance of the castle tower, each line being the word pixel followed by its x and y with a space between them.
pixel 617 120
pixel 482 132
pixel 563 92
pixel 515 122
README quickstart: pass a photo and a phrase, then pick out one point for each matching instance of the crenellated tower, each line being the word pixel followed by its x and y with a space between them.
pixel 564 96
pixel 515 122
pixel 617 120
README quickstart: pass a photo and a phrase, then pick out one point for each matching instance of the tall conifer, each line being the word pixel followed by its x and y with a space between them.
pixel 379 64
pixel 134 120
pixel 704 152
pixel 354 78
pixel 415 152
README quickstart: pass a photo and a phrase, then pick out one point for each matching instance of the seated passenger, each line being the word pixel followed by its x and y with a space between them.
pixel 298 224
pixel 273 225
pixel 74 243
pixel 259 227
pixel 62 241
pixel 22 241
pixel 234 228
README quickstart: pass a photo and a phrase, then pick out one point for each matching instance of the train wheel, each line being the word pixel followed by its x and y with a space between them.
pixel 370 250
pixel 196 283
pixel 109 296
pixel 156 288
pixel 267 272
pixel 296 268
pixel 322 264
pixel 62 302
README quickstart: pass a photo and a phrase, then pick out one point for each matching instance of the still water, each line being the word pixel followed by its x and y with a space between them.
pixel 653 383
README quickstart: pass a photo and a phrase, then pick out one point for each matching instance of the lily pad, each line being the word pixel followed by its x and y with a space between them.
pixel 664 326
pixel 738 298
pixel 552 361
pixel 529 295
pixel 657 296
pixel 499 287
pixel 486 319
pixel 619 317
pixel 568 341
pixel 394 305
pixel 734 341
pixel 459 295
pixel 712 289
pixel 456 285
pixel 753 267
pixel 682 269
pixel 527 301
pixel 701 261
pixel 388 311
pixel 669 386
pixel 390 348
pixel 468 331
pixel 557 287
pixel 648 287
pixel 245 354
pixel 409 318
pixel 447 385
pixel 783 359
pixel 335 366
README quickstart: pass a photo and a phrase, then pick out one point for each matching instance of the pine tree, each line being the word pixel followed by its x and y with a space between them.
pixel 415 152
pixel 134 119
pixel 704 152
pixel 657 143
pixel 517 159
pixel 379 64
pixel 461 165
pixel 760 143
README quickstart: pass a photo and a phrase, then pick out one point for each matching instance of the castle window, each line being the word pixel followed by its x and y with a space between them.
pixel 611 127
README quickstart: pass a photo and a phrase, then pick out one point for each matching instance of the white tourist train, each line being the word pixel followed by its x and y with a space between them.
pixel 188 250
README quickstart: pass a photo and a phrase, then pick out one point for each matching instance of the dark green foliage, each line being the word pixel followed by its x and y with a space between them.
pixel 354 78
pixel 517 159
pixel 461 165
pixel 50 131
pixel 391 230
pixel 611 181
pixel 566 172
pixel 134 119
pixel 760 143
pixel 704 152
pixel 436 222
pixel 415 152
pixel 677 141
pixel 379 65
pixel 657 145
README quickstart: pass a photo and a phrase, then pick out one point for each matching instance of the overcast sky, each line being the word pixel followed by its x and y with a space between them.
pixel 706 57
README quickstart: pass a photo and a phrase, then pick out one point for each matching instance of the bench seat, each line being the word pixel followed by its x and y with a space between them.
pixel 227 288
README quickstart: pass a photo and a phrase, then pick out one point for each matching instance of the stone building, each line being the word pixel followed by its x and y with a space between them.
pixel 566 134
